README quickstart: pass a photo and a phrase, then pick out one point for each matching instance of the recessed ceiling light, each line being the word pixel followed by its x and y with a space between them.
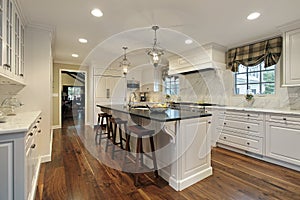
pixel 188 41
pixel 82 40
pixel 253 16
pixel 74 55
pixel 97 12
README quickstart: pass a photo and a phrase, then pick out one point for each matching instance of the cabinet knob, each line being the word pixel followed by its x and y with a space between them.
pixel 248 115
pixel 31 134
pixel 284 119
pixel 38 121
pixel 22 75
pixel 224 138
pixel 224 123
pixel 248 143
pixel 40 118
pixel 209 122
pixel 33 146
pixel 35 127
pixel 39 131
pixel 248 127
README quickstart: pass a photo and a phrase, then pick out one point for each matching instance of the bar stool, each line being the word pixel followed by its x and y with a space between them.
pixel 103 131
pixel 116 126
pixel 141 132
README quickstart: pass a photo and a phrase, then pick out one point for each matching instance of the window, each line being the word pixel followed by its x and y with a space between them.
pixel 171 85
pixel 256 79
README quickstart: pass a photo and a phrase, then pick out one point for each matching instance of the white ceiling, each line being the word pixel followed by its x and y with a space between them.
pixel 219 21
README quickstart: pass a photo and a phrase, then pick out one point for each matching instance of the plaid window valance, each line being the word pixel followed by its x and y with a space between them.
pixel 253 54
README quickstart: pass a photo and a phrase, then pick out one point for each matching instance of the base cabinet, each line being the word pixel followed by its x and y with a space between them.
pixel 6 170
pixel 282 139
pixel 20 161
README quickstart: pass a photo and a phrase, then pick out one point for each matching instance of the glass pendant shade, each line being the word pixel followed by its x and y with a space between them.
pixel 125 63
pixel 155 53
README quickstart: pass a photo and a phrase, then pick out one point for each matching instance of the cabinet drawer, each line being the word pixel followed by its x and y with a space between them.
pixel 288 119
pixel 255 128
pixel 251 144
pixel 241 115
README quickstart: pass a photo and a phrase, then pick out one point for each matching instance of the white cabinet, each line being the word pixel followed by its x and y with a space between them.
pixel 242 130
pixel 186 158
pixel 11 44
pixel 20 161
pixel 282 138
pixel 6 170
pixel 291 58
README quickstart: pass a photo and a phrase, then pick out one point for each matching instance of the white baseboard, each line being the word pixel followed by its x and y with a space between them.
pixel 55 127
pixel 180 185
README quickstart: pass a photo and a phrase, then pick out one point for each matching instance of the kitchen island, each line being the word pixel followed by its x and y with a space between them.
pixel 182 141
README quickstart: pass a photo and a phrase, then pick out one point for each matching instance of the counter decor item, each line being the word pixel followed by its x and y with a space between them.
pixel 250 99
pixel 9 105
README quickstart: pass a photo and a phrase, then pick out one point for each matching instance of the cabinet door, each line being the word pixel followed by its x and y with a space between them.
pixel 291 70
pixel 282 142
pixel 6 170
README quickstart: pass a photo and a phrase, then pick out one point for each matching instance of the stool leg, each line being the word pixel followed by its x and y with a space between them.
pixel 137 161
pixel 108 137
pixel 114 134
pixel 120 136
pixel 153 156
pixel 127 149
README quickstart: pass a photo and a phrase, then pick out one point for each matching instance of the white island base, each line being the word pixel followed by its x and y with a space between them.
pixel 189 149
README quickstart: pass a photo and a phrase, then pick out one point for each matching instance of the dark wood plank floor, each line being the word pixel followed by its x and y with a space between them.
pixel 74 174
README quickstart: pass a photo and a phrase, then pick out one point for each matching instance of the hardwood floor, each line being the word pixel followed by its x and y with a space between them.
pixel 74 174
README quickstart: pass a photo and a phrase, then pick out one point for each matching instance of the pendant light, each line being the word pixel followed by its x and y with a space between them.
pixel 155 53
pixel 125 63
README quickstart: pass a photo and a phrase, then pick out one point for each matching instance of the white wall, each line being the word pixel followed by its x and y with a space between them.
pixel 38 78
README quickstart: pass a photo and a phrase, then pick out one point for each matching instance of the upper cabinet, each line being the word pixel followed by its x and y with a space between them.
pixel 209 56
pixel 11 44
pixel 291 52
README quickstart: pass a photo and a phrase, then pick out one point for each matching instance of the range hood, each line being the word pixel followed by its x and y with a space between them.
pixel 207 57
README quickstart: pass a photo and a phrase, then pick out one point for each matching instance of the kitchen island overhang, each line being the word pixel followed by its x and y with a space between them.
pixel 182 142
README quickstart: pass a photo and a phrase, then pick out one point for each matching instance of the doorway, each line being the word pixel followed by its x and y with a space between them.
pixel 72 97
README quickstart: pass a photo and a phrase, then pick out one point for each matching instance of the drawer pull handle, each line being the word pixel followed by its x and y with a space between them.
pixel 33 146
pixel 248 143
pixel 284 118
pixel 30 134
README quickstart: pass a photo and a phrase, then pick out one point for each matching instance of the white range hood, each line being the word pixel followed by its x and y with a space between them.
pixel 209 56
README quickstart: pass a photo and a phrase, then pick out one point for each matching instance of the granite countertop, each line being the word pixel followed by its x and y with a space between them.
pixel 168 115
pixel 18 123
pixel 264 110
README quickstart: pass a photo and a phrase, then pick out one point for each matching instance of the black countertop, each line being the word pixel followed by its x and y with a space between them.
pixel 168 115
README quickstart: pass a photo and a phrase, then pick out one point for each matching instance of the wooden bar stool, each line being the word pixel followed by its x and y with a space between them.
pixel 116 126
pixel 103 130
pixel 141 133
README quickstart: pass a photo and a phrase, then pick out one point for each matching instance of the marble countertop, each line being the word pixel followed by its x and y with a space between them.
pixel 18 123
pixel 168 115
pixel 265 110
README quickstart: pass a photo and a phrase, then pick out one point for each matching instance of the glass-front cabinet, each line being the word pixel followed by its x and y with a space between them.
pixel 11 42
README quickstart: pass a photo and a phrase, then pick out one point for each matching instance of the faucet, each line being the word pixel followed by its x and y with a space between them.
pixel 132 98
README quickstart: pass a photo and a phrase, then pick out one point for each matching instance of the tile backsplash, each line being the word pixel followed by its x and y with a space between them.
pixel 216 86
